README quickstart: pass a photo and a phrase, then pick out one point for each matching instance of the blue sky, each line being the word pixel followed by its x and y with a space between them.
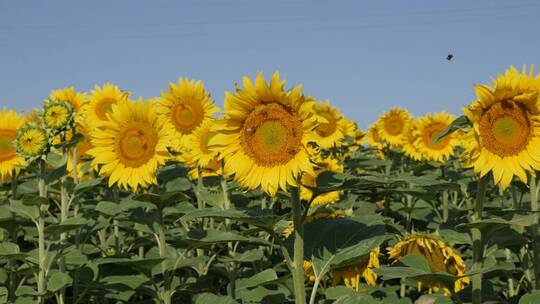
pixel 362 56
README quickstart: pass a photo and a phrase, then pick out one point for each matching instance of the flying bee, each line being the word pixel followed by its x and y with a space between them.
pixel 450 56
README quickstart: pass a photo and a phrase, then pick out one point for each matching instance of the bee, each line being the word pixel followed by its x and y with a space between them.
pixel 450 56
pixel 250 130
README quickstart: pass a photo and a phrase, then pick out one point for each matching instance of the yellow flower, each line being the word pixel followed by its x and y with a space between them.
pixel 57 114
pixel 439 256
pixel 410 148
pixel 81 150
pixel 197 150
pixel 350 274
pixel 131 145
pixel 348 127
pixel 186 106
pixel 375 141
pixel 33 116
pixel 505 138
pixel 391 126
pixel 10 123
pixel 426 129
pixel 101 100
pixel 329 131
pixel 327 164
pixel 359 137
pixel 75 99
pixel 263 135
pixel 31 141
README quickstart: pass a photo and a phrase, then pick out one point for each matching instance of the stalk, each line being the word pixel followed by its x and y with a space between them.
pixel 200 204
pixel 162 245
pixel 40 224
pixel 298 261
pixel 11 261
pixel 477 242
pixel 534 231
pixel 64 206
pixel 510 281
pixel 116 224
pixel 444 199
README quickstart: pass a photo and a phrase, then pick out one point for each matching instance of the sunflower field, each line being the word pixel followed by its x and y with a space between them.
pixel 277 198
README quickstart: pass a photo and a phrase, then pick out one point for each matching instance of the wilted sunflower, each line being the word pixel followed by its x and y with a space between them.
pixel 131 145
pixel 264 134
pixel 439 256
pixel 186 105
pixel 101 100
pixel 350 275
pixel 426 129
pixel 56 114
pixel 10 123
pixel 410 148
pixel 506 127
pixel 326 164
pixel 76 100
pixel 31 141
pixel 329 131
pixel 391 126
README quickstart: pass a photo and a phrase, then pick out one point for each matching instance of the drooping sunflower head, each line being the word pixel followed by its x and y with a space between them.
pixel 31 141
pixel 186 106
pixel 375 141
pixel 329 131
pixel 76 99
pixel 326 164
pixel 392 124
pixel 10 162
pixel 410 148
pixel 131 145
pixel 426 130
pixel 506 126
pixel 264 134
pixel 359 137
pixel 350 275
pixel 57 115
pixel 101 100
pixel 439 256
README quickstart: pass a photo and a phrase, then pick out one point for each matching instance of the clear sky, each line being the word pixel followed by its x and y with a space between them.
pixel 363 56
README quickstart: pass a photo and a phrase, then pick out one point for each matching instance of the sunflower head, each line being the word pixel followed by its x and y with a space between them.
pixel 326 164
pixel 426 130
pixel 77 157
pixel 76 100
pixel 410 148
pixel 264 134
pixel 131 145
pixel 186 105
pixel 31 141
pixel 101 100
pixel 330 130
pixel 391 126
pixel 350 274
pixel 439 256
pixel 10 162
pixel 57 115
pixel 506 127
pixel 199 154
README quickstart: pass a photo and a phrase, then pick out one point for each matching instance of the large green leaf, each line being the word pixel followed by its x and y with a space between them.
pixel 530 298
pixel 206 298
pixel 460 123
pixel 58 280
pixel 28 211
pixel 256 217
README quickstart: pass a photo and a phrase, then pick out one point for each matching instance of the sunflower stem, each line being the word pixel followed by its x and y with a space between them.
pixel 534 231
pixel 11 262
pixel 40 225
pixel 298 266
pixel 64 206
pixel 162 245
pixel 508 255
pixel 116 224
pixel 478 246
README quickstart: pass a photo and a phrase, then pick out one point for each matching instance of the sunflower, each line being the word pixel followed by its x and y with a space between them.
pixel 350 274
pixel 439 256
pixel 426 129
pixel 375 141
pixel 57 114
pixel 264 134
pixel 31 141
pixel 131 145
pixel 410 148
pixel 10 162
pixel 197 150
pixel 330 131
pixel 348 127
pixel 359 137
pixel 101 100
pixel 81 150
pixel 327 164
pixel 33 116
pixel 391 125
pixel 506 127
pixel 76 100
pixel 186 105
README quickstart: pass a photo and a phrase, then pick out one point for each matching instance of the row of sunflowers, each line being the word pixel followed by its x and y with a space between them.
pixel 277 198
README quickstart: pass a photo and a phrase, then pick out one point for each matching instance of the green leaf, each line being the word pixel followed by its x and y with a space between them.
pixel 108 208
pixel 207 237
pixel 58 280
pixel 205 298
pixel 256 217
pixel 28 187
pixel 415 261
pixel 86 185
pixel 460 123
pixel 257 279
pixel 131 281
pixel 531 298
pixel 7 248
pixel 68 225
pixel 56 174
pixel 31 212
